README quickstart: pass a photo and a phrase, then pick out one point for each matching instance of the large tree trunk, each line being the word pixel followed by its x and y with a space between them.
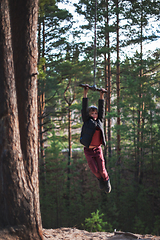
pixel 19 187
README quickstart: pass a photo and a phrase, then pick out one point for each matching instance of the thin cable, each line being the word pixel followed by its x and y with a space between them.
pixel 95 50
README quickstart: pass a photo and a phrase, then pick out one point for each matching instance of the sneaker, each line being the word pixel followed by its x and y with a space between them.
pixel 101 183
pixel 107 186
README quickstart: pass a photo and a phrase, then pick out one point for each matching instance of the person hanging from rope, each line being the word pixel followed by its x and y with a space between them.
pixel 92 136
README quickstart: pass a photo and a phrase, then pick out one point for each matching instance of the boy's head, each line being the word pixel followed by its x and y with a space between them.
pixel 93 112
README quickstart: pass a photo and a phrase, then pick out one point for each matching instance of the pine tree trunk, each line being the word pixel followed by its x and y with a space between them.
pixel 41 107
pixel 108 82
pixel 142 104
pixel 19 187
pixel 140 154
pixel 69 145
pixel 42 162
pixel 118 90
pixel 39 40
pixel 69 101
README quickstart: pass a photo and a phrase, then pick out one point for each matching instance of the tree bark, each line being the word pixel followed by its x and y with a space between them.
pixel 19 186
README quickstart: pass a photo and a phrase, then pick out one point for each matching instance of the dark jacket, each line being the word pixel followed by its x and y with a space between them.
pixel 89 125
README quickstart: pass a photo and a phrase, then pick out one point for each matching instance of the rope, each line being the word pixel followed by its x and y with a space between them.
pixel 95 38
pixel 94 88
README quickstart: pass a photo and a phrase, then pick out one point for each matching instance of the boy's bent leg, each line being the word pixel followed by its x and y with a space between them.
pixel 102 169
pixel 90 156
pixel 101 163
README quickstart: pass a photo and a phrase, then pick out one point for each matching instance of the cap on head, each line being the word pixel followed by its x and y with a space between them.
pixel 92 108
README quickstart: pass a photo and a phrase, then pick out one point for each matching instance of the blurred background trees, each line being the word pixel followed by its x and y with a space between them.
pixel 130 73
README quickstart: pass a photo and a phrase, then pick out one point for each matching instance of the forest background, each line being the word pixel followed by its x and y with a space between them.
pixel 68 190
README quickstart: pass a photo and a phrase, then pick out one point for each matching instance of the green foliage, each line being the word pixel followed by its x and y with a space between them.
pixel 95 223
pixel 156 229
pixel 41 74
pixel 139 226
pixel 68 199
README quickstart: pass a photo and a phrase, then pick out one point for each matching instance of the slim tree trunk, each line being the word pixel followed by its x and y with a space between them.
pixel 19 187
pixel 118 89
pixel 140 156
pixel 108 81
pixel 41 107
pixel 39 40
pixel 143 104
pixel 69 144
pixel 69 101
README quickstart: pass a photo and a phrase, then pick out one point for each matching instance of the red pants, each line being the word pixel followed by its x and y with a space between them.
pixel 96 162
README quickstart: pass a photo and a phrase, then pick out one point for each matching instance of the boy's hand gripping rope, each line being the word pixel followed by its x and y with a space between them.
pixel 93 88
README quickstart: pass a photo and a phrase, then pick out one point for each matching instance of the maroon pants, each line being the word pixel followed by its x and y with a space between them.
pixel 96 162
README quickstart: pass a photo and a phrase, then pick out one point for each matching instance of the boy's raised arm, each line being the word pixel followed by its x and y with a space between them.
pixel 85 91
pixel 85 105
pixel 102 93
pixel 101 108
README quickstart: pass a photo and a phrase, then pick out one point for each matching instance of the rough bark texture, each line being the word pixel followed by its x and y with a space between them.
pixel 19 187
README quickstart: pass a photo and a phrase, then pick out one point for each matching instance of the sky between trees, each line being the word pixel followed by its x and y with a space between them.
pixel 79 20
